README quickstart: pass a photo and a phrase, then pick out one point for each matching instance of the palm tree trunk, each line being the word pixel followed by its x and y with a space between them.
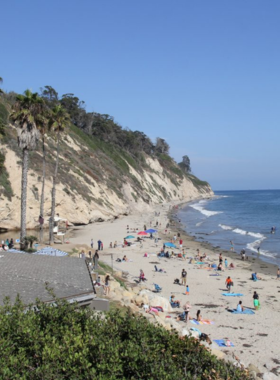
pixel 54 191
pixel 43 188
pixel 25 157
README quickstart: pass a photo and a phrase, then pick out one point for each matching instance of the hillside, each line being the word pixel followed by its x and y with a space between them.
pixel 98 180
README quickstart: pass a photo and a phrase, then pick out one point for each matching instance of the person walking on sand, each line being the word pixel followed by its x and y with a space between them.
pixel 184 277
pixel 256 300
pixel 229 283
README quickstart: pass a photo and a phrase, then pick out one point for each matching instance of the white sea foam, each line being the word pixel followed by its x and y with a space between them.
pixel 199 224
pixel 224 227
pixel 255 244
pixel 199 207
pixel 253 234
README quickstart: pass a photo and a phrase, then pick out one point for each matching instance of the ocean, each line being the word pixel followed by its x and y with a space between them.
pixel 243 217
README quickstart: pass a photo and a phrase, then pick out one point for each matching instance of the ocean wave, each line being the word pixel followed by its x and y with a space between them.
pixel 253 234
pixel 198 224
pixel 255 244
pixel 224 227
pixel 198 206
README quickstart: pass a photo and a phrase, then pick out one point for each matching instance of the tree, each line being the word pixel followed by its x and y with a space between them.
pixel 185 165
pixel 50 95
pixel 59 120
pixel 1 81
pixel 43 127
pixel 161 146
pixel 24 115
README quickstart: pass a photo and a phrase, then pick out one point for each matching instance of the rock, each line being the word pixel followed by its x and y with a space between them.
pixel 218 353
pixel 114 285
pixel 270 376
pixel 185 332
pixel 128 294
pixel 252 368
pixel 156 300
pixel 118 273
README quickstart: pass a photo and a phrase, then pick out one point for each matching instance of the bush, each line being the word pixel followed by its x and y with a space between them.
pixel 58 342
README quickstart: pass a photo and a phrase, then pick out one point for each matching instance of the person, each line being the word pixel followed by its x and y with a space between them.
pixel 125 242
pixel 91 243
pixel 82 255
pixel 256 300
pixel 242 254
pixel 240 307
pixel 187 290
pixel 258 249
pixel 198 316
pixel 184 277
pixel 181 243
pixel 231 266
pixel 95 259
pixel 125 258
pixel 220 259
pixel 187 308
pixel 229 283
pixel 89 254
pixel 11 244
pixel 226 263
pixel 142 276
pixel 220 267
pixel 99 244
pixel 107 285
pixel 173 302
pixel 232 246
pixel 111 245
pixel 102 246
pixel 278 274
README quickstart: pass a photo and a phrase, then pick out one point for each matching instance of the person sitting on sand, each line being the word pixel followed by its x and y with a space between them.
pixel 240 307
pixel 125 258
pixel 142 276
pixel 125 242
pixel 115 244
pixel 173 302
pixel 198 316
pixel 220 267
pixel 231 266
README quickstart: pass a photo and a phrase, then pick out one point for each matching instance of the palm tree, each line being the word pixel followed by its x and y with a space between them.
pixel 43 128
pixel 24 114
pixel 59 120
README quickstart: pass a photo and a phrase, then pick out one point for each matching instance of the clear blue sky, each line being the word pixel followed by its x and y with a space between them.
pixel 204 75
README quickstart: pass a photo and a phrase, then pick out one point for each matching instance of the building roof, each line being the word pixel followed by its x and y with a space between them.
pixel 27 275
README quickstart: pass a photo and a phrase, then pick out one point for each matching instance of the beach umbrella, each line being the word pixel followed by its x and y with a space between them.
pixel 142 233
pixel 171 245
pixel 130 237
pixel 151 231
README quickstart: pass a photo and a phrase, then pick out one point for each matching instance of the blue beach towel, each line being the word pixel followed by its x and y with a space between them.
pixel 221 343
pixel 232 294
pixel 195 329
pixel 215 274
pixel 246 311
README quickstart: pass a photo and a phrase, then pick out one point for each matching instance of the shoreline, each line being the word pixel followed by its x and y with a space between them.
pixel 253 336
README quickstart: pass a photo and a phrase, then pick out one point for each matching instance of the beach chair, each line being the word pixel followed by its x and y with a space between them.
pixel 157 288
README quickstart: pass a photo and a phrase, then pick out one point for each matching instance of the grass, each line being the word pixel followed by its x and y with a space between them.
pixel 5 183
pixel 197 182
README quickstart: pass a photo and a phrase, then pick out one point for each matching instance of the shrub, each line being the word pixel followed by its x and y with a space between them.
pixel 58 342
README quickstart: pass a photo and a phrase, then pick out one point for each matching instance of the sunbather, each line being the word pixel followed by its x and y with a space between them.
pixel 240 307
pixel 173 302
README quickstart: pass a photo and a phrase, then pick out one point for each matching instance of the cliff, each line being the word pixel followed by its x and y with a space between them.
pixel 97 181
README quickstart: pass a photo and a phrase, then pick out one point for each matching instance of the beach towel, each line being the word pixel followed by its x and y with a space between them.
pixel 232 294
pixel 246 311
pixel 200 263
pixel 221 343
pixel 215 274
pixel 195 329
pixel 202 322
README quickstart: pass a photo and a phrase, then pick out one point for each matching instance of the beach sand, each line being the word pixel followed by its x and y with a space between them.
pixel 255 337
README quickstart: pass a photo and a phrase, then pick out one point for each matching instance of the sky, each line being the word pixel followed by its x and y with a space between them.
pixel 204 75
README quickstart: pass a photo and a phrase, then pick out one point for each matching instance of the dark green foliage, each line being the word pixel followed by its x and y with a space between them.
pixel 197 182
pixel 185 165
pixel 3 119
pixel 5 184
pixel 58 342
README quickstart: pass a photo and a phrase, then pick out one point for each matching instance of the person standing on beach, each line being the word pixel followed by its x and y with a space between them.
pixel 226 263
pixel 91 243
pixel 184 277
pixel 229 283
pixel 181 243
pixel 278 274
pixel 187 308
pixel 99 244
pixel 256 300
pixel 232 246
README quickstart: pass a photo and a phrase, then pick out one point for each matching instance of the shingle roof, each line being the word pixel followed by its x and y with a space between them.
pixel 27 274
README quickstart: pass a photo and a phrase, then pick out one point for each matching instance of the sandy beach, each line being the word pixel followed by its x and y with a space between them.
pixel 255 337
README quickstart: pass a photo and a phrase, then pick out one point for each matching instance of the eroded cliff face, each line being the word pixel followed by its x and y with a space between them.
pixel 98 200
